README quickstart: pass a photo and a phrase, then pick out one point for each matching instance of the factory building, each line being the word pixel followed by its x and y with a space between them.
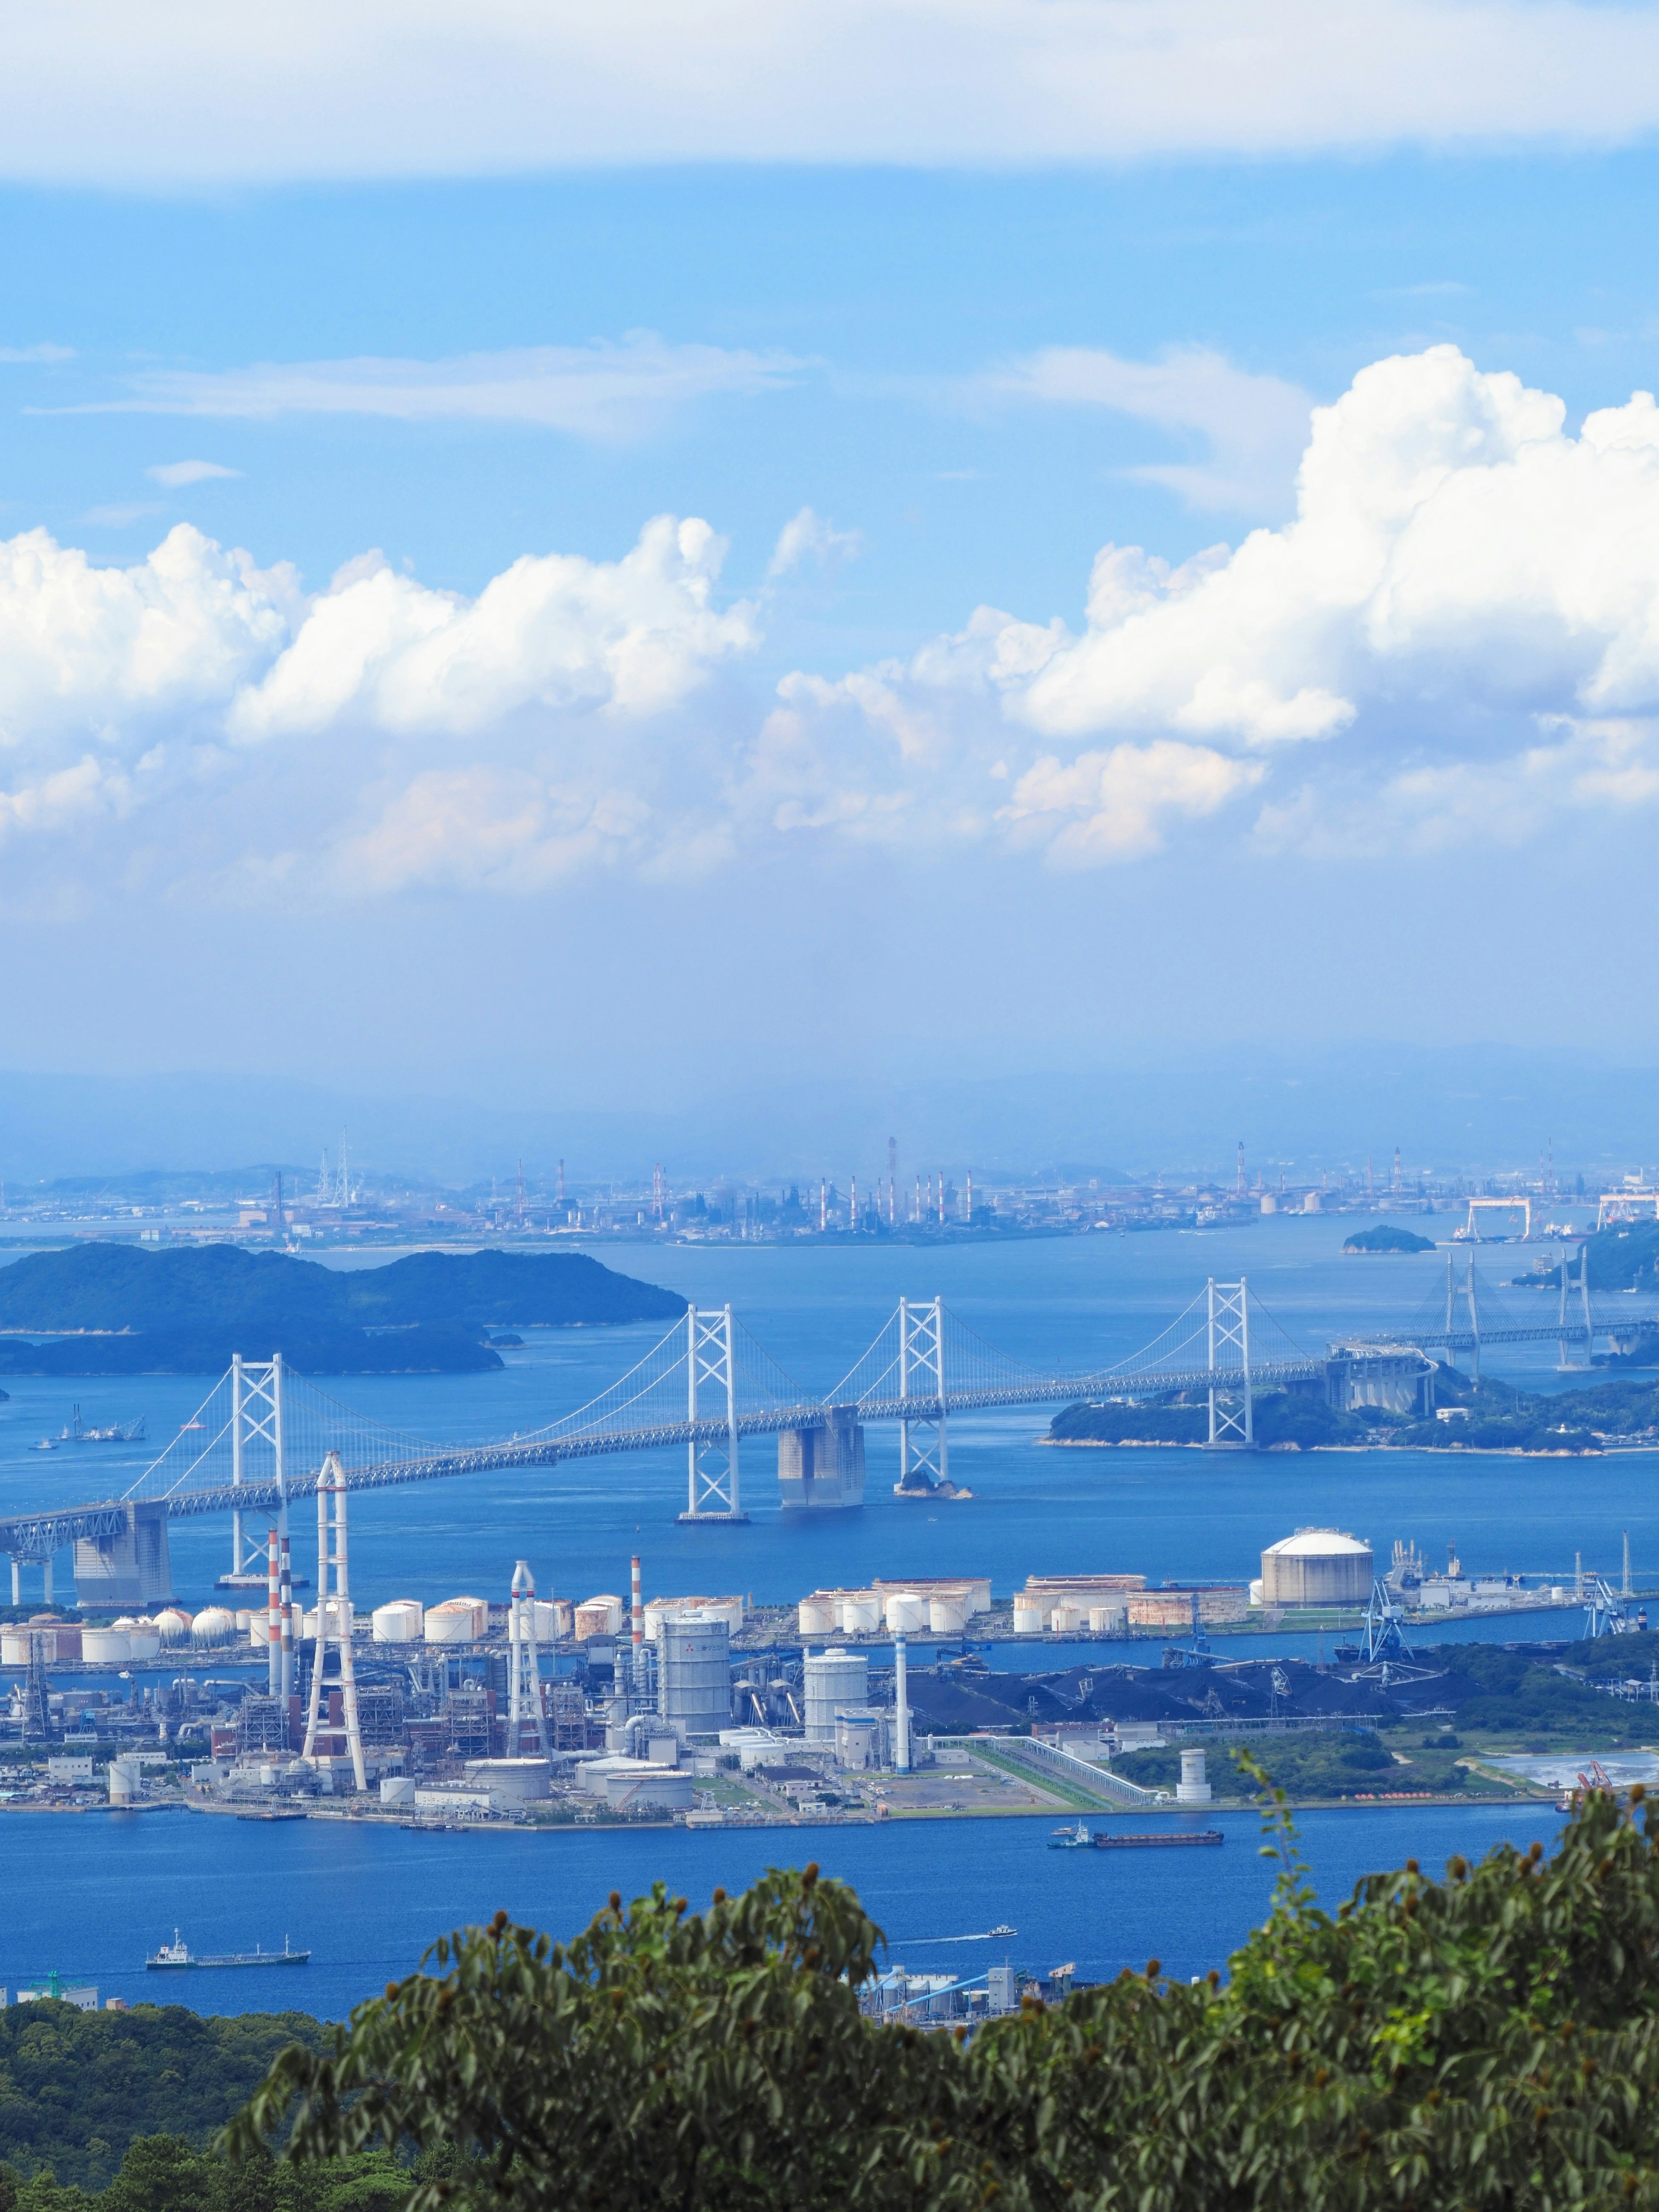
pixel 1317 1567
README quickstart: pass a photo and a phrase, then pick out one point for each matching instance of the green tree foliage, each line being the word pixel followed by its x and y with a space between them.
pixel 166 2174
pixel 76 2089
pixel 1491 2040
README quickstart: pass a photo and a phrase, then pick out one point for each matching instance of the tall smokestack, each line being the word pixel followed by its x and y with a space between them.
pixel 273 1621
pixel 639 1619
pixel 901 1704
pixel 285 1588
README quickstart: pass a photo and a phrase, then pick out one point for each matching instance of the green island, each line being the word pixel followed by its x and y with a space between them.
pixel 1386 1237
pixel 1486 2038
pixel 119 1310
pixel 1484 1416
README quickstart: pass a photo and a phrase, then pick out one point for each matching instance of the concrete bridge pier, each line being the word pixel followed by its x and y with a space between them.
pixel 822 1470
pixel 128 1567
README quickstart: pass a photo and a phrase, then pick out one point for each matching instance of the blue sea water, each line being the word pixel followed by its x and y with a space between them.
pixel 1061 1304
pixel 93 1894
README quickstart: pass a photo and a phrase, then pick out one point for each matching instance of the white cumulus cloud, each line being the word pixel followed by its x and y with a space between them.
pixel 631 636
pixel 1454 638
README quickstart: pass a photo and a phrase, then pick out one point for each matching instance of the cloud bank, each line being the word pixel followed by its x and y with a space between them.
pixel 195 92
pixel 1455 638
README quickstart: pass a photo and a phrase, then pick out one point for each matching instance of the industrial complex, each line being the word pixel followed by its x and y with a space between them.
pixel 854 1701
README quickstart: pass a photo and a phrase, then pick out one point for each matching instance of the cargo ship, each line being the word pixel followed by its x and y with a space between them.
pixel 176 1956
pixel 1158 1839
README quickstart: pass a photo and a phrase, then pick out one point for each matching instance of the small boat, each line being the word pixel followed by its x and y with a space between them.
pixel 1158 1839
pixel 1002 1929
pixel 176 1956
pixel 1071 1839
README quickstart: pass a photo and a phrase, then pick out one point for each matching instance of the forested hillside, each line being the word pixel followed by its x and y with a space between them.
pixel 76 2089
pixel 186 1312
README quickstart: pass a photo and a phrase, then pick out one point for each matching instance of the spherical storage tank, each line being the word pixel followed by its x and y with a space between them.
pixel 1318 1567
pixel 694 1675
pixel 213 1626
pixel 171 1625
pixel 835 1681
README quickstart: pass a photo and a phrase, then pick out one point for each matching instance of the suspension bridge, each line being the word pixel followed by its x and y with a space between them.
pixel 260 1440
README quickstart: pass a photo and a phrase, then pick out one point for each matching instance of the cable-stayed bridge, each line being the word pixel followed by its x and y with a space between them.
pixel 260 1438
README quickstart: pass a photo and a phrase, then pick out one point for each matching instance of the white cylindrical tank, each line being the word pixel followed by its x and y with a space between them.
pixel 1108 1620
pixel 947 1615
pixel 105 1647
pixel 598 1616
pixel 144 1639
pixel 859 1613
pixel 1317 1567
pixel 243 1616
pixel 212 1626
pixel 694 1676
pixel 397 1790
pixel 1066 1618
pixel 834 1681
pixel 171 1625
pixel 400 1622
pixel 817 1615
pixel 907 1611
pixel 259 1631
pixel 452 1622
pixel 552 1617
pixel 1031 1617
pixel 124 1781
pixel 1192 1788
pixel 14 1648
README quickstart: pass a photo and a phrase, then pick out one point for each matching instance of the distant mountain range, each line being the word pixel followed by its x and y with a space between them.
pixel 120 1310
pixel 1472 1106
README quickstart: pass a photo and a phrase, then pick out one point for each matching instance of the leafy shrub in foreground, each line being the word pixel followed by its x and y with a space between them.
pixel 1490 2040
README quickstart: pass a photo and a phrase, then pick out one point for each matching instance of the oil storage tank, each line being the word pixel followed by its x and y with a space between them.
pixel 694 1676
pixel 1317 1567
pixel 834 1681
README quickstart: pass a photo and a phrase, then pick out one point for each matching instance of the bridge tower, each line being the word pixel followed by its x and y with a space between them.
pixel 256 1421
pixel 711 1486
pixel 924 1451
pixel 1466 1290
pixel 1232 1411
pixel 334 1617
pixel 1581 1287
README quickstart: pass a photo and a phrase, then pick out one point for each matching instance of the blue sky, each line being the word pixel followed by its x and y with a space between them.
pixel 541 806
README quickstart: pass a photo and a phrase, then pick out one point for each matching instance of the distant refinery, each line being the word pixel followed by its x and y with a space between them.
pixel 698 1708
